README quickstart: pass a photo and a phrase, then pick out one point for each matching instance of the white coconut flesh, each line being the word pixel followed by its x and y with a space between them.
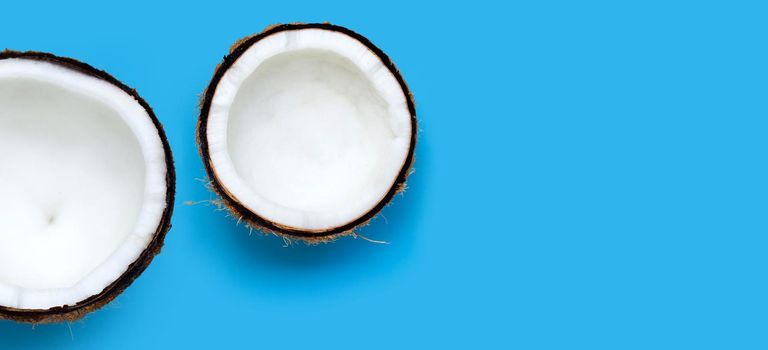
pixel 308 129
pixel 82 179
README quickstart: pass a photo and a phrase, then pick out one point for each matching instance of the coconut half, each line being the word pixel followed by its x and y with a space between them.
pixel 307 130
pixel 87 181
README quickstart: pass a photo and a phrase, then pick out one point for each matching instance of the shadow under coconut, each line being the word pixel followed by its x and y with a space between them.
pixel 297 267
pixel 58 335
pixel 25 336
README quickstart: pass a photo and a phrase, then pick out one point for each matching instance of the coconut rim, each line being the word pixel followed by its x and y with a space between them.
pixel 233 204
pixel 133 270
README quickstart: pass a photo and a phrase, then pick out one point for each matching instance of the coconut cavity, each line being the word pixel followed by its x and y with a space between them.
pixel 86 187
pixel 307 130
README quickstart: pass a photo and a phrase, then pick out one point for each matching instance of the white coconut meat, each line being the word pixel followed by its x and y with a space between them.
pixel 308 129
pixel 83 184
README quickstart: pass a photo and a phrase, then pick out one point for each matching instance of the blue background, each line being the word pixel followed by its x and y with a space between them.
pixel 588 175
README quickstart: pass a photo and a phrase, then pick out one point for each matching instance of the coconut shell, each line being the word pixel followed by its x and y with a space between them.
pixel 237 209
pixel 95 302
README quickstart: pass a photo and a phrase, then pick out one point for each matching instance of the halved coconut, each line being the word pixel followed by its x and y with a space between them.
pixel 87 185
pixel 307 130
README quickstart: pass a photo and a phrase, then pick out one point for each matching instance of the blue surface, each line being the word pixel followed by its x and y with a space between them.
pixel 588 176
